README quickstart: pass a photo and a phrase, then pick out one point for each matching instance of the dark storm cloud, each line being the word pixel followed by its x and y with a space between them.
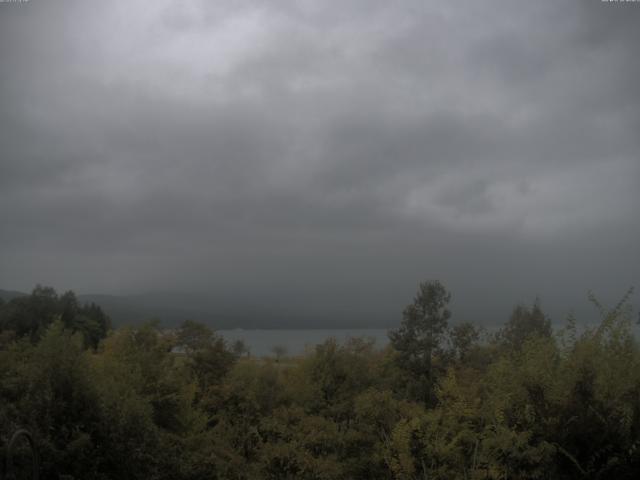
pixel 322 155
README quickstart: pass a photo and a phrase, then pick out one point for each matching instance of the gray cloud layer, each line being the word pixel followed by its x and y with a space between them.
pixel 322 156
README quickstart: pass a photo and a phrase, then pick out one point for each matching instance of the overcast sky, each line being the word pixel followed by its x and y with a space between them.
pixel 323 156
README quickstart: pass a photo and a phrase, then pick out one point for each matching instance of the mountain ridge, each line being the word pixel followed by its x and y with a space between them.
pixel 173 308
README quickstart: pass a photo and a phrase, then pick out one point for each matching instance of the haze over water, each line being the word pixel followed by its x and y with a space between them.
pixel 296 342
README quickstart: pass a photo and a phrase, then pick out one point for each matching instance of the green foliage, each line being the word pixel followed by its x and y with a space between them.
pixel 29 316
pixel 208 357
pixel 464 338
pixel 420 336
pixel 524 323
pixel 144 403
pixel 194 336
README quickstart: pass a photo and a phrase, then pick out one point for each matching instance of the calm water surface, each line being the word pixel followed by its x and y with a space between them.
pixel 262 342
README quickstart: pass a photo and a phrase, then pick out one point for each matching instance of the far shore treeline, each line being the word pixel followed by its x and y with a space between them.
pixel 444 400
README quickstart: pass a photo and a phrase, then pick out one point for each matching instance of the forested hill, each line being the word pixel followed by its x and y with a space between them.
pixel 7 295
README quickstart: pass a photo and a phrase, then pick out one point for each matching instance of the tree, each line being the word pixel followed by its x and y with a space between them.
pixel 58 402
pixel 240 348
pixel 30 316
pixel 524 323
pixel 68 308
pixel 193 336
pixel 420 335
pixel 207 353
pixel 93 323
pixel 90 320
pixel 463 338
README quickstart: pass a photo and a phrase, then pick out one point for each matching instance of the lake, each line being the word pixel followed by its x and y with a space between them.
pixel 262 342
